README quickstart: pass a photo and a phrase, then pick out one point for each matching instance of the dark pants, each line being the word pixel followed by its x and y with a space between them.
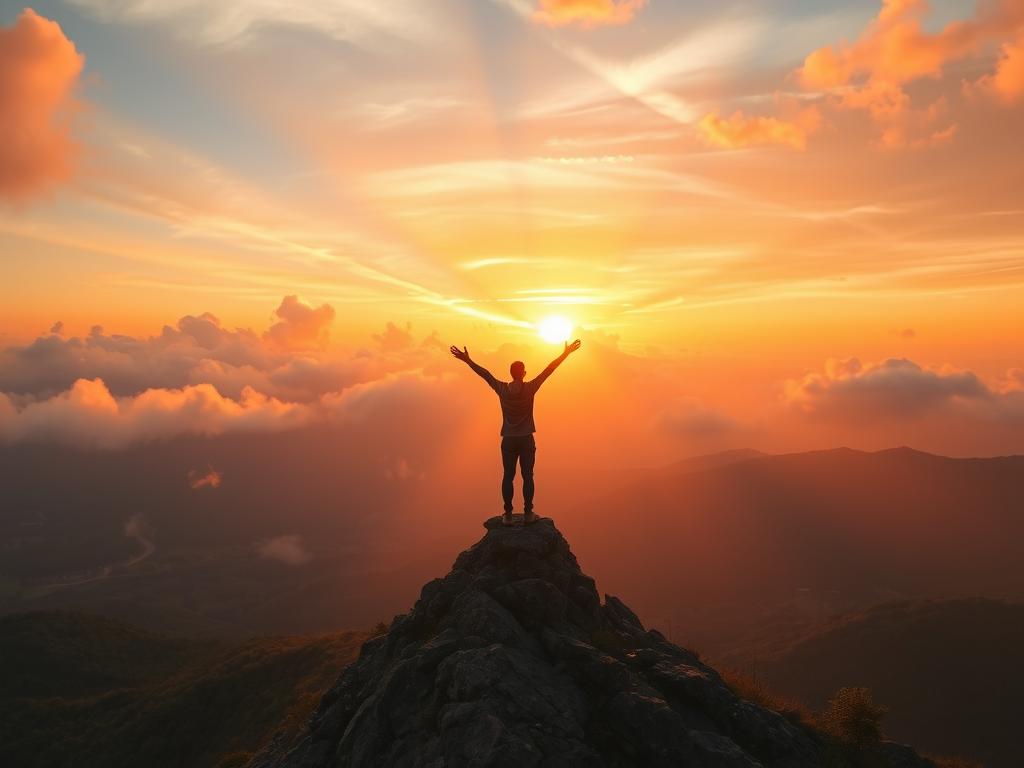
pixel 524 450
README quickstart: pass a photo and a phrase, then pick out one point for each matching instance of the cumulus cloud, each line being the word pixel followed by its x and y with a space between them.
pixel 300 325
pixel 409 397
pixel 741 131
pixel 88 414
pixel 285 362
pixel 871 72
pixel 210 478
pixel 433 340
pixel 587 13
pixel 39 68
pixel 394 338
pixel 874 74
pixel 200 377
pixel 288 549
pixel 894 389
pixel 1006 83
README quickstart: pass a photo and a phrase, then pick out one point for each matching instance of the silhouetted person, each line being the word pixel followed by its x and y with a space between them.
pixel 517 427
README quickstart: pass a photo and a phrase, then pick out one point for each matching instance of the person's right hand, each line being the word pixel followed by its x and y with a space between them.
pixel 572 347
pixel 461 354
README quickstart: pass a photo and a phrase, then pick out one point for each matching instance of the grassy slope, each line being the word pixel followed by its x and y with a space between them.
pixel 88 691
pixel 951 672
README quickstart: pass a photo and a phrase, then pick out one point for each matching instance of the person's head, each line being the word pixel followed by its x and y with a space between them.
pixel 518 370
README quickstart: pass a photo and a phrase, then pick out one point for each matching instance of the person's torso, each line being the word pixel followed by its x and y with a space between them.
pixel 516 399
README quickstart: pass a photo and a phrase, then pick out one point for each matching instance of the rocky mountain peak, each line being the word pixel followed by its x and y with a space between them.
pixel 512 659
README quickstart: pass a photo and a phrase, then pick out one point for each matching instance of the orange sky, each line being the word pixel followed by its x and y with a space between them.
pixel 720 202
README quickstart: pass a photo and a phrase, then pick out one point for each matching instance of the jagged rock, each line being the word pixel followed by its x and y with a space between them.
pixel 513 660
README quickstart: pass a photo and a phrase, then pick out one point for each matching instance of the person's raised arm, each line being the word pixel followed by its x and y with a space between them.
pixel 569 349
pixel 483 373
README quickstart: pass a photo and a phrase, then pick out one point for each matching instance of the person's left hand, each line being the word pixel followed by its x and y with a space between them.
pixel 461 354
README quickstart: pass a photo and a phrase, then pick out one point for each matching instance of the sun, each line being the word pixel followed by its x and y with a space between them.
pixel 554 329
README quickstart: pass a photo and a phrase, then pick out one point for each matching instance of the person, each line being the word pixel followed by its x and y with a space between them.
pixel 517 427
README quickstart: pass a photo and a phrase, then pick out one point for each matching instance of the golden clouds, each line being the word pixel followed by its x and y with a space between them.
pixel 211 478
pixel 300 325
pixel 587 12
pixel 742 131
pixel 88 414
pixel 1007 82
pixel 39 67
pixel 875 73
pixel 872 73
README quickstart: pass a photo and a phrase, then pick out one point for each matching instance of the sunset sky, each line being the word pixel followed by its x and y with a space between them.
pixel 780 224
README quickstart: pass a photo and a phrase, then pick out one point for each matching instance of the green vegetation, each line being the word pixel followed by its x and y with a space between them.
pixel 949 671
pixel 752 690
pixel 850 726
pixel 88 691
pixel 852 717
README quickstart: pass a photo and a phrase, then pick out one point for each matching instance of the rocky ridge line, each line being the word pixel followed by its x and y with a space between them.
pixel 512 660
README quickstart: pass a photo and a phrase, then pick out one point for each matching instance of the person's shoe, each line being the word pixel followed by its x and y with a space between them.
pixel 529 517
pixel 506 519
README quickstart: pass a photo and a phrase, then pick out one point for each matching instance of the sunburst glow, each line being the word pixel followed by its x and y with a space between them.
pixel 555 329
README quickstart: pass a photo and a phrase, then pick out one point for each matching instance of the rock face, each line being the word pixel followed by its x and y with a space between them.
pixel 512 660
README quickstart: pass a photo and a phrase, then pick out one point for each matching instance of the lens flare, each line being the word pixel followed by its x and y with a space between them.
pixel 555 329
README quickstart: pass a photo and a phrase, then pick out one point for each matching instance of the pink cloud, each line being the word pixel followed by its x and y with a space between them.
pixel 895 49
pixel 197 479
pixel 288 549
pixel 300 325
pixel 408 399
pixel 284 362
pixel 873 74
pixel 893 389
pixel 39 68
pixel 1007 82
pixel 587 13
pixel 394 338
pixel 88 414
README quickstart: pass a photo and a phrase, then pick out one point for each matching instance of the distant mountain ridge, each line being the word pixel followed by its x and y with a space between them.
pixel 831 531
pixel 81 690
pixel 701 551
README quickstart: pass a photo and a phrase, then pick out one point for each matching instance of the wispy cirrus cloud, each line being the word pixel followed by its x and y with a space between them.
pixel 651 79
pixel 238 22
